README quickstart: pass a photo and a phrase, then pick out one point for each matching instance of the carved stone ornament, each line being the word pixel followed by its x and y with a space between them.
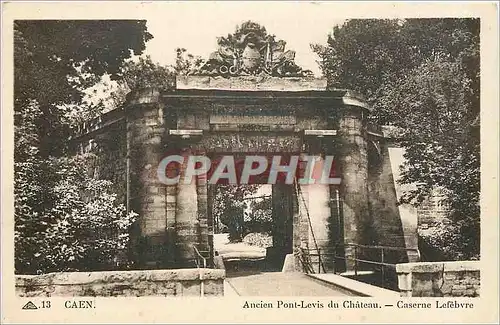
pixel 251 51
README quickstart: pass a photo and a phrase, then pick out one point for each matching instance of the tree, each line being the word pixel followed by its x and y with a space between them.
pixel 363 55
pixel 143 73
pixel 368 55
pixel 186 63
pixel 80 228
pixel 229 207
pixel 421 75
pixel 55 60
pixel 442 145
pixel 56 204
pixel 260 216
pixel 134 75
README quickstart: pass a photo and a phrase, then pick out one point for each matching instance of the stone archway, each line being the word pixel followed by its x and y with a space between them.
pixel 269 121
pixel 251 98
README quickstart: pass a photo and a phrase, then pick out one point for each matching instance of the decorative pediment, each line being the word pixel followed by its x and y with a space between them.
pixel 251 51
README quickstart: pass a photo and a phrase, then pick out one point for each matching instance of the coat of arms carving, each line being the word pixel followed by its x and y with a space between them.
pixel 251 51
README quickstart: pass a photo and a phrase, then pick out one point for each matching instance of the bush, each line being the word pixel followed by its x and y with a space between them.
pixel 258 239
pixel 65 220
pixel 444 241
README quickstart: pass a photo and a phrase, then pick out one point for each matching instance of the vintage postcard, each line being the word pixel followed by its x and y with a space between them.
pixel 249 162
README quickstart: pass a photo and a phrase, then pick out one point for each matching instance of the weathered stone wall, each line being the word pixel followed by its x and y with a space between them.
pixel 439 279
pixel 353 167
pixel 407 212
pixel 179 282
pixel 106 150
pixel 147 196
pixel 387 226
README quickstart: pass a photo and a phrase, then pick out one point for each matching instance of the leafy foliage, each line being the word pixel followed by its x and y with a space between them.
pixel 186 63
pixel 363 55
pixel 229 206
pixel 64 220
pixel 442 144
pixel 134 75
pixel 55 60
pixel 260 216
pixel 421 75
pixel 368 55
pixel 258 239
pixel 79 227
pixel 143 73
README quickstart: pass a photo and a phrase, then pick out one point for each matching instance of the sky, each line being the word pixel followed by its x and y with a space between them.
pixel 196 28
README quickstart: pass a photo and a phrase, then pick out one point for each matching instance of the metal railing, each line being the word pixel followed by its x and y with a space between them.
pixel 201 264
pixel 298 193
pixel 199 259
pixel 310 257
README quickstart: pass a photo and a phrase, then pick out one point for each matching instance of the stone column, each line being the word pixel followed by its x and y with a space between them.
pixel 300 221
pixel 203 219
pixel 210 218
pixel 186 217
pixel 317 209
pixel 319 213
pixel 353 167
pixel 145 194
pixel 282 214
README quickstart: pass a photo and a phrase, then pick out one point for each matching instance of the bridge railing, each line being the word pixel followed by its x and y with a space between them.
pixel 376 258
pixel 201 264
pixel 199 259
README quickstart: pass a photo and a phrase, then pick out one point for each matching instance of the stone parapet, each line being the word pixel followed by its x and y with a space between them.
pixel 176 282
pixel 439 279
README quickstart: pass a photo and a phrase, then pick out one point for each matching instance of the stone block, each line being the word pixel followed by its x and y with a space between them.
pixel 449 279
pixel 213 287
pixel 142 96
pixel 290 264
pixel 404 281
pixel 189 288
pixel 267 83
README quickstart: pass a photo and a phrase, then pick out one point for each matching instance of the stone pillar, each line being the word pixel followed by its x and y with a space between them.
pixel 211 222
pixel 203 219
pixel 300 221
pixel 353 167
pixel 282 195
pixel 186 217
pixel 282 206
pixel 145 194
pixel 319 213
pixel 336 229
pixel 171 236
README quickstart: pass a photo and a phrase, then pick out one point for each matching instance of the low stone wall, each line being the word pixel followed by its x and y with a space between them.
pixel 178 282
pixel 439 279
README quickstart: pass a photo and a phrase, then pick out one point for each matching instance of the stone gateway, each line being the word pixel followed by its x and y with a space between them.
pixel 247 116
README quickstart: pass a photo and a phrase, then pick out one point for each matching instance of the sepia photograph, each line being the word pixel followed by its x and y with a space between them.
pixel 246 154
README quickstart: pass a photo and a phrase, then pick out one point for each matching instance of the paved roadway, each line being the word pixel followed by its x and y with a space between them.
pixel 278 284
